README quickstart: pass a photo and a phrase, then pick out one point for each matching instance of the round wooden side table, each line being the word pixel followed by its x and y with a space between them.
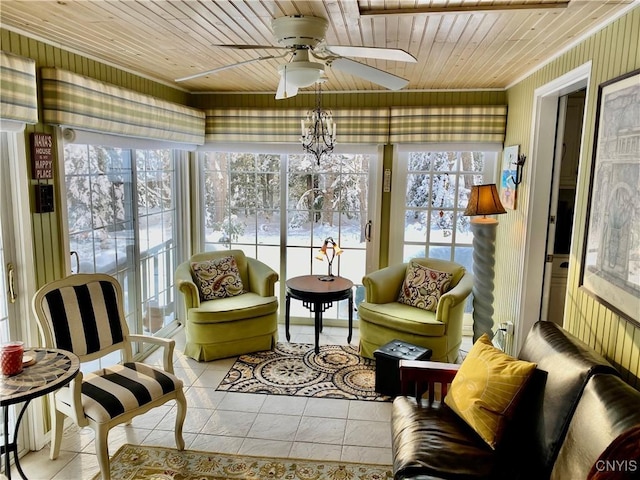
pixel 318 295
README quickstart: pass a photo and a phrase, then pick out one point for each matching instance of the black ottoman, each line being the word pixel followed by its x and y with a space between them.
pixel 387 359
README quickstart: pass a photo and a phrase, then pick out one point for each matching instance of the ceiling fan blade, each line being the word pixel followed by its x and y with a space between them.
pixel 285 91
pixel 226 67
pixel 252 47
pixel 394 54
pixel 375 75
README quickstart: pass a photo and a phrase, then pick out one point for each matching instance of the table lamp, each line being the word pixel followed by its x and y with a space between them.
pixel 483 200
pixel 329 244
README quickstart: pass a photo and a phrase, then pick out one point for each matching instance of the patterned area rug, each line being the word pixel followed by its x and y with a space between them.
pixel 133 462
pixel 295 369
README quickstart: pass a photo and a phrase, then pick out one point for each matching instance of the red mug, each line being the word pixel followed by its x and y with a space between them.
pixel 11 358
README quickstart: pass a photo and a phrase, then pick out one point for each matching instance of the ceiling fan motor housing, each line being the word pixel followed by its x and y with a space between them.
pixel 299 30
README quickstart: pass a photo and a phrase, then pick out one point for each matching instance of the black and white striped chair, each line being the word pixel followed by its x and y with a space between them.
pixel 84 314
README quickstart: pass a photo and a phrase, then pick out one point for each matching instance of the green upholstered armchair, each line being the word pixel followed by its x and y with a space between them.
pixel 225 327
pixel 383 318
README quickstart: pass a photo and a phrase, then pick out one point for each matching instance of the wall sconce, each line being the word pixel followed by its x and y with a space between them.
pixel 519 163
pixel 329 244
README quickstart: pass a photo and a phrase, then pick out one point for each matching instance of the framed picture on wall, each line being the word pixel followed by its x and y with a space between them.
pixel 508 188
pixel 611 257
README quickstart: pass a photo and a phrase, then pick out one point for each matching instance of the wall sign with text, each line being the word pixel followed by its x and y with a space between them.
pixel 41 156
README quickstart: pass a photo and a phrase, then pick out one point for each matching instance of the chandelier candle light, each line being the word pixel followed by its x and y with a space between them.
pixel 318 129
pixel 329 244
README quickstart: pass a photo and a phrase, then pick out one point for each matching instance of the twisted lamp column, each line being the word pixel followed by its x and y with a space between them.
pixel 484 247
pixel 483 200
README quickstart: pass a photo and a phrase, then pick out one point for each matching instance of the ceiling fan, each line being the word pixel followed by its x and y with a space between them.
pixel 302 38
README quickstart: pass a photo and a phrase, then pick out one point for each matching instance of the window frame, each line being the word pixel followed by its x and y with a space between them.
pixel 181 209
pixel 373 201
pixel 398 201
pixel 399 185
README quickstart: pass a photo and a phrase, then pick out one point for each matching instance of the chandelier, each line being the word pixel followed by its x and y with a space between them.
pixel 318 129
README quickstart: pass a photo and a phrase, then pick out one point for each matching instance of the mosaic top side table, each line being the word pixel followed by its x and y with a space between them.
pixel 53 368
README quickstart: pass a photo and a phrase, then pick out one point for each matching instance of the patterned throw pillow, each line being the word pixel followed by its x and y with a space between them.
pixel 486 389
pixel 218 278
pixel 423 287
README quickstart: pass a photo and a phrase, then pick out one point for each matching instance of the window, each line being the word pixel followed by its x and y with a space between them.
pixel 245 195
pixel 122 220
pixel 433 190
pixel 241 203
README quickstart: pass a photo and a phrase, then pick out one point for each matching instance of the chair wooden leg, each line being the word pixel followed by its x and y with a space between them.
pixel 102 451
pixel 57 426
pixel 181 413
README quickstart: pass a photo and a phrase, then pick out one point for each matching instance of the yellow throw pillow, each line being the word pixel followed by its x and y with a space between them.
pixel 485 390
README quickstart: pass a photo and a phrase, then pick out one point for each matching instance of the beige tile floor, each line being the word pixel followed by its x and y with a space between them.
pixel 238 423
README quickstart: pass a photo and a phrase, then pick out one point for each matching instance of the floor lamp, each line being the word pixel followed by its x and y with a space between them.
pixel 483 200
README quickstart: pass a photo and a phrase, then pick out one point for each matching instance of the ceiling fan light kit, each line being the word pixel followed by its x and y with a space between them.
pixel 300 76
pixel 300 72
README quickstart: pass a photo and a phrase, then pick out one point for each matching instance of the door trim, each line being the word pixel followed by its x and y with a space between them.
pixel 32 429
pixel 374 209
pixel 543 135
pixel 553 206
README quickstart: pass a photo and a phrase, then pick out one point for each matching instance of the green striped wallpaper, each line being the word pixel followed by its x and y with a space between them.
pixel 335 101
pixel 613 51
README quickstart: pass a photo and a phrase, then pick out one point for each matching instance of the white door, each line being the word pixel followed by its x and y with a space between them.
pixel 562 205
pixel 335 199
pixel 121 217
pixel 8 312
pixel 16 258
pixel 553 207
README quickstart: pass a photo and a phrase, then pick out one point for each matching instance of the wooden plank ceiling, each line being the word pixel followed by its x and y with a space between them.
pixel 459 44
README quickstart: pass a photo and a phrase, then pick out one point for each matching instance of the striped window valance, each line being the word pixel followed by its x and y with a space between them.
pixel 448 124
pixel 74 100
pixel 249 125
pixel 365 125
pixel 18 90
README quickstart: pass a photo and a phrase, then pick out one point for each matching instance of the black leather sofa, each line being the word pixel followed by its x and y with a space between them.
pixel 573 407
